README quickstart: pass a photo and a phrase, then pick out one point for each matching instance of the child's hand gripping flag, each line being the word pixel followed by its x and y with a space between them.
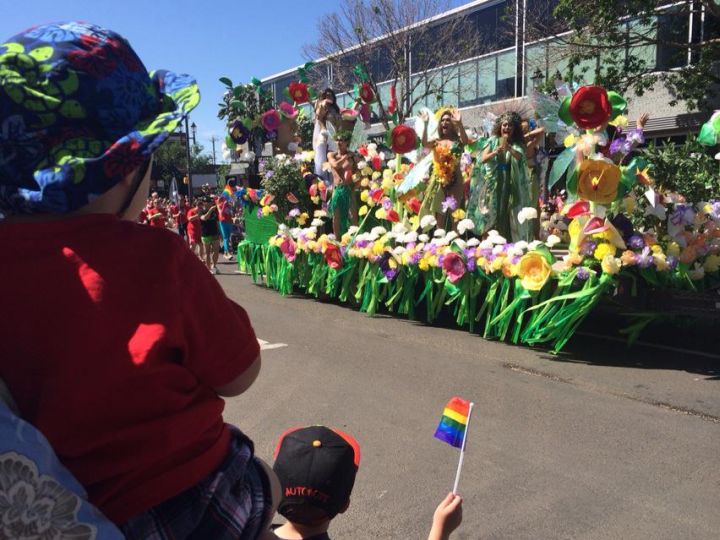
pixel 453 428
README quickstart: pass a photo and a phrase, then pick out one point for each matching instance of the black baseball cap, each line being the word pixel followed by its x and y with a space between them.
pixel 316 466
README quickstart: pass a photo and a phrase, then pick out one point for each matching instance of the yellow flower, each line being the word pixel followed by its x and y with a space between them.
pixel 387 184
pixel 311 245
pixel 378 248
pixel 458 214
pixel 533 270
pixel 266 211
pixel 497 263
pixel 610 265
pixel 423 264
pixel 712 263
pixel 376 175
pixel 673 249
pixel 414 222
pixel 620 120
pixel 569 141
pixel 603 250
pixel 598 181
pixel 661 262
pixel 656 248
pixel 363 210
pixel 302 218
pixel 380 213
pixel 365 182
pixel 367 171
pixel 364 195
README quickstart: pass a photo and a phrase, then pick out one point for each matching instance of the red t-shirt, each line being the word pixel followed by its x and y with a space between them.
pixel 225 211
pixel 193 224
pixel 113 338
pixel 156 216
pixel 178 213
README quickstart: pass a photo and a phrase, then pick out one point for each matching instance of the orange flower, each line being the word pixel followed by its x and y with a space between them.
pixel 598 181
pixel 534 270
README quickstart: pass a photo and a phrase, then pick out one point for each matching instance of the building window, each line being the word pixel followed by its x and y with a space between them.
pixel 506 68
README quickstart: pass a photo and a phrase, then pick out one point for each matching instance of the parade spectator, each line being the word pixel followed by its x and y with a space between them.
pixel 209 234
pixel 194 230
pixel 126 380
pixel 225 221
pixel 179 213
pixel 316 467
pixel 156 214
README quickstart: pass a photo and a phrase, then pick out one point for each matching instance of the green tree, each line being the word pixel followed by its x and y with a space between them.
pixel 170 161
pixel 634 44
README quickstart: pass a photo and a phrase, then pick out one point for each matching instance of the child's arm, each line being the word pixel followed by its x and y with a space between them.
pixel 447 517
pixel 242 382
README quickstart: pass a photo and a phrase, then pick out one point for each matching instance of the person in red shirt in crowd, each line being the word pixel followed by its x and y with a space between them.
pixel 179 214
pixel 225 220
pixel 194 230
pixel 156 215
pixel 126 382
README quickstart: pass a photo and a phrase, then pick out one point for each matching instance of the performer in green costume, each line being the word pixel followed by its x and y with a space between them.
pixel 501 187
pixel 342 206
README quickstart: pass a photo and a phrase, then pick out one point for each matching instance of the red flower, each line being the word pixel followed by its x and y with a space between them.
pixel 376 195
pixel 333 257
pixel 366 93
pixel 362 150
pixel 454 266
pixel 392 216
pixel 413 205
pixel 403 139
pixel 376 163
pixel 590 107
pixel 299 92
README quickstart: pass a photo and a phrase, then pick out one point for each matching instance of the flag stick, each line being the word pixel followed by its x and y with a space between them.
pixel 462 450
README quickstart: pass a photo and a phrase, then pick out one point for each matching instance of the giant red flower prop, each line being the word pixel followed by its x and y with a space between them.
pixel 333 257
pixel 299 92
pixel 590 107
pixel 454 266
pixel 366 93
pixel 403 139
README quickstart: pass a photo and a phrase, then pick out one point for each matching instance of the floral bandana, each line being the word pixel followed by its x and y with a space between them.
pixel 78 113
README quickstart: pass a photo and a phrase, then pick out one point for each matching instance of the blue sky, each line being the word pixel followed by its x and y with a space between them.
pixel 240 39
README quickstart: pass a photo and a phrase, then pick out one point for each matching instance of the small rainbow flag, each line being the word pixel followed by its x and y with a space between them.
pixel 453 423
pixel 228 192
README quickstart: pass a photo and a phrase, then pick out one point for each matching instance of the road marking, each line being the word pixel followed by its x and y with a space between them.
pixel 266 346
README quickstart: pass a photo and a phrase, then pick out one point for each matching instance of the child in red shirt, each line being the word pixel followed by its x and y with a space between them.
pixel 123 367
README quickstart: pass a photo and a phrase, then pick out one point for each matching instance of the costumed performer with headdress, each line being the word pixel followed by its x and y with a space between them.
pixel 536 159
pixel 445 174
pixel 327 117
pixel 343 165
pixel 501 188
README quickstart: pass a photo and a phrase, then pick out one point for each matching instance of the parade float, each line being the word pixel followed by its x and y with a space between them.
pixel 627 244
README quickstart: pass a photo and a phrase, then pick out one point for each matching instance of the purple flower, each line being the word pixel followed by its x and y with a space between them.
pixel 387 270
pixel 295 212
pixel 259 213
pixel 361 243
pixel 616 146
pixel 587 248
pixel 645 259
pixel 623 225
pixel 415 258
pixel 387 204
pixel 636 242
pixel 471 263
pixel 714 210
pixel 635 136
pixel 582 273
pixel 269 174
pixel 682 215
pixel 261 166
pixel 450 203
pixel 672 262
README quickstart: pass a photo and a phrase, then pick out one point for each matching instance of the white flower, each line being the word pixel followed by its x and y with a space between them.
pixel 331 236
pixel 452 235
pixel 379 231
pixel 697 273
pixel 526 214
pixel 282 228
pixel 496 239
pixel 717 156
pixel 459 242
pixel 486 244
pixel 391 164
pixel 353 229
pixel 295 231
pixel 473 242
pixel 513 251
pixel 427 222
pixel 521 245
pixel 423 238
pixel 317 222
pixel 498 249
pixel 399 250
pixel 320 214
pixel 400 228
pixel 465 225
pixel 362 164
pixel 552 240
pixel 439 233
pixel 409 237
pixel 534 244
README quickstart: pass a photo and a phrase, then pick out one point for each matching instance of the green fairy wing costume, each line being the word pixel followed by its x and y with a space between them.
pixel 499 189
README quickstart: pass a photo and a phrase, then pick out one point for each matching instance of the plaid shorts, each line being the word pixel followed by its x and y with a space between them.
pixel 232 503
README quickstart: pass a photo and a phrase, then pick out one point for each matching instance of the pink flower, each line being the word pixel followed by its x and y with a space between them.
pixel 288 249
pixel 287 110
pixel 454 266
pixel 270 120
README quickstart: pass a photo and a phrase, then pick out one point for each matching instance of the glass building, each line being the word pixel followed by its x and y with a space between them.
pixel 510 63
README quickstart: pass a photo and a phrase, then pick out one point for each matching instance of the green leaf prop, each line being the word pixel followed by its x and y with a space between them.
pixel 618 103
pixel 708 136
pixel 564 112
pixel 227 82
pixel 564 162
pixel 360 73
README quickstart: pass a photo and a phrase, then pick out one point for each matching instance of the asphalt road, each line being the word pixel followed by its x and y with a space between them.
pixel 601 442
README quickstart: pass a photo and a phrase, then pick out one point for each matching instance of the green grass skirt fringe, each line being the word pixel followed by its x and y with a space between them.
pixel 496 306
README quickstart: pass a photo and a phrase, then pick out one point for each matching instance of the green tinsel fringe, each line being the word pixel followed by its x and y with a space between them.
pixel 499 306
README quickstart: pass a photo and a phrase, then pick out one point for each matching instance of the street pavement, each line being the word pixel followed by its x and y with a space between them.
pixel 599 442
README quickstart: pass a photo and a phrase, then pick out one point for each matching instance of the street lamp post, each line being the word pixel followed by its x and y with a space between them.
pixel 188 160
pixel 193 127
pixel 537 78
